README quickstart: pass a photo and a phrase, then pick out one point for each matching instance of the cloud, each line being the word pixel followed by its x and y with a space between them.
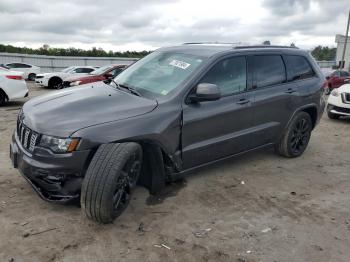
pixel 122 25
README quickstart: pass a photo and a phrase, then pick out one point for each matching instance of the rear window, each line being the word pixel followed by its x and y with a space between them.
pixel 299 67
pixel 269 70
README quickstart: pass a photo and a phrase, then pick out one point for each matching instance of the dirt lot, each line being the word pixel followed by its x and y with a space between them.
pixel 284 210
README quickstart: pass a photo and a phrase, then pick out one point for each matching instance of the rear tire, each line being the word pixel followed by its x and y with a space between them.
pixel 297 136
pixel 109 181
pixel 31 77
pixel 2 98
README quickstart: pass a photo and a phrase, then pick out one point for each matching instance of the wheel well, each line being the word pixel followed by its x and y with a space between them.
pixel 3 92
pixel 155 163
pixel 312 111
pixel 53 80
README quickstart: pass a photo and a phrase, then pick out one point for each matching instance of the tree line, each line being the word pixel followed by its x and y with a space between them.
pixel 321 53
pixel 71 51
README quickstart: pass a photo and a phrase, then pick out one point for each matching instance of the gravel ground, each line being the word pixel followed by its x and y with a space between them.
pixel 257 207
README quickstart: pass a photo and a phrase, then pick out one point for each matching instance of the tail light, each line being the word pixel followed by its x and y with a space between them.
pixel 14 77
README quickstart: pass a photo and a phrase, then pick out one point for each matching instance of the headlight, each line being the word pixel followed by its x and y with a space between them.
pixel 335 92
pixel 59 145
pixel 75 83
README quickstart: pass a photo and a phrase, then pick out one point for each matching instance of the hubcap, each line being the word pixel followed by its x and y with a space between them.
pixel 126 182
pixel 300 135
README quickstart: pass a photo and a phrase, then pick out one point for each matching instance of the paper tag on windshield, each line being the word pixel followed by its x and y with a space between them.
pixel 179 64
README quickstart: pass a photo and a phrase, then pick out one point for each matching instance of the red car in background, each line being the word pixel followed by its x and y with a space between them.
pixel 335 79
pixel 100 74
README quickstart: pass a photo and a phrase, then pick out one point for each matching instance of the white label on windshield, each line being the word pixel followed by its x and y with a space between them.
pixel 179 64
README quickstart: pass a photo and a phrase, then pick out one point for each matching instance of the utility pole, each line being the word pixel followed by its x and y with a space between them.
pixel 342 63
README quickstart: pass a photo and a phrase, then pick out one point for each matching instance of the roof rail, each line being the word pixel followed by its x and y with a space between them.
pixel 264 46
pixel 211 43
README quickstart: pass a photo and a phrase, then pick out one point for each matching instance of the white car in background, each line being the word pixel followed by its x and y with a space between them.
pixel 12 85
pixel 338 103
pixel 55 79
pixel 29 71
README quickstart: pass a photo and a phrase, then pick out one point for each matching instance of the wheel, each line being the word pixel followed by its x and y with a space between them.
pixel 332 115
pixel 2 98
pixel 31 76
pixel 55 83
pixel 109 181
pixel 296 138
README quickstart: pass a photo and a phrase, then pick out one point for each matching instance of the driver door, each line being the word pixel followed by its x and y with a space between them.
pixel 216 129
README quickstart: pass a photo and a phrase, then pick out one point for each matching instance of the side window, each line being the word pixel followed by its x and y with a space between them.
pixel 11 65
pixel 230 75
pixel 344 74
pixel 335 73
pixel 299 67
pixel 269 70
pixel 87 70
pixel 83 70
pixel 23 66
pixel 116 71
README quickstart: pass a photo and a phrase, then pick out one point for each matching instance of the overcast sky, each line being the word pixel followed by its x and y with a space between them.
pixel 148 24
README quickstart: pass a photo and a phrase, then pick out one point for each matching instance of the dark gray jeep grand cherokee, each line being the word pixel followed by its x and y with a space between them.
pixel 177 109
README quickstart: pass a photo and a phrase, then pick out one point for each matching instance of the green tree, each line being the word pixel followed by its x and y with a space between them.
pixel 324 53
pixel 71 51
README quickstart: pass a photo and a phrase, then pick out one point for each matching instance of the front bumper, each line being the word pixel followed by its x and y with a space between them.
pixel 55 177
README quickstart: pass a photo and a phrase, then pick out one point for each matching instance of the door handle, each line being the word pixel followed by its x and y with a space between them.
pixel 290 91
pixel 243 101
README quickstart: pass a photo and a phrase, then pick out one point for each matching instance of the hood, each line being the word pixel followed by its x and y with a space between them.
pixel 344 88
pixel 63 112
pixel 81 77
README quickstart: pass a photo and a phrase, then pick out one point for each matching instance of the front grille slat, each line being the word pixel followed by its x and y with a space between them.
pixel 27 137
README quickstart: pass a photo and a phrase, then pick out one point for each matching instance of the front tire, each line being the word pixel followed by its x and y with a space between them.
pixel 297 136
pixel 109 181
pixel 332 115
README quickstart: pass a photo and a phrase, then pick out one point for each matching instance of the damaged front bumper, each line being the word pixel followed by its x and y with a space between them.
pixel 55 177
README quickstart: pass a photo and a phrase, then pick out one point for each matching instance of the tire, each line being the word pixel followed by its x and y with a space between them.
pixel 110 180
pixel 31 77
pixel 332 115
pixel 55 83
pixel 297 136
pixel 2 98
pixel 327 90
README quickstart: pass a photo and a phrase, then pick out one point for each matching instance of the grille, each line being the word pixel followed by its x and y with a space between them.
pixel 346 97
pixel 342 110
pixel 26 136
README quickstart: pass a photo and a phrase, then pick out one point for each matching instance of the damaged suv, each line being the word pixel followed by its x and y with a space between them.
pixel 175 110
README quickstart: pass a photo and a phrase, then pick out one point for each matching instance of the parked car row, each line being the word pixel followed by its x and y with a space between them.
pixel 13 76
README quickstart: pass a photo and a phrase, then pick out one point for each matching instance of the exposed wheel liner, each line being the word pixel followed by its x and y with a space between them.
pixel 101 178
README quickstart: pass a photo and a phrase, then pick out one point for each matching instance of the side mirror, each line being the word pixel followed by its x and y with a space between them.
pixel 206 92
pixel 328 77
pixel 108 75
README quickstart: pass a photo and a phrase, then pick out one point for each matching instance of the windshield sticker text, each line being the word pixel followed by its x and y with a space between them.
pixel 179 64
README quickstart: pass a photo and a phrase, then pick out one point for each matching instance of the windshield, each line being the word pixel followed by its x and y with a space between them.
pixel 159 73
pixel 101 70
pixel 66 70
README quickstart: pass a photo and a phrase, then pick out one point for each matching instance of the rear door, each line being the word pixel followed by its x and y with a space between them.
pixel 215 129
pixel 273 97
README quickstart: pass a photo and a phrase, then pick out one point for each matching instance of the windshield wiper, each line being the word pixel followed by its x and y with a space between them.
pixel 130 89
